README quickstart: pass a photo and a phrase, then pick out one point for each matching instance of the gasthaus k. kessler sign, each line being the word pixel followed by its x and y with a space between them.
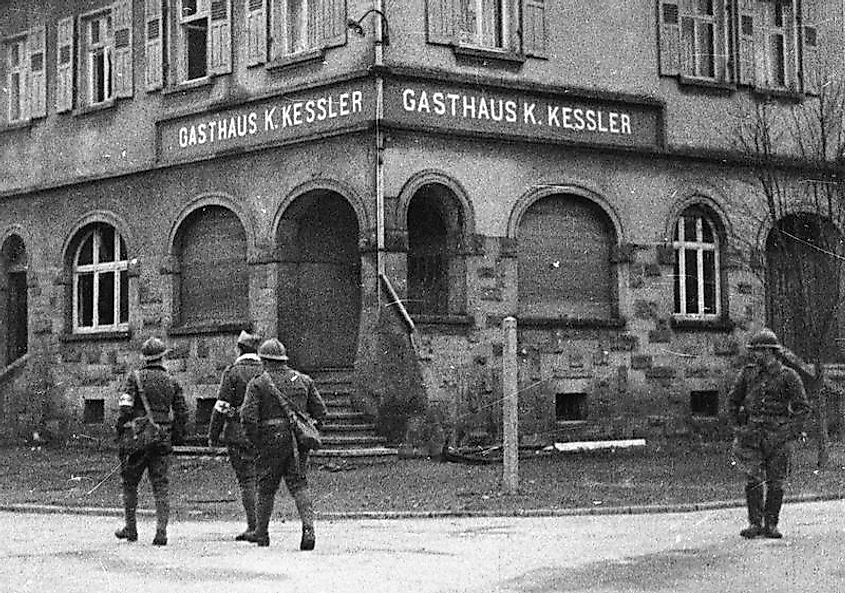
pixel 277 120
pixel 528 115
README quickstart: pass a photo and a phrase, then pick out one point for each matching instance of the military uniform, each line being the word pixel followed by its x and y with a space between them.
pixel 267 425
pixel 768 405
pixel 164 395
pixel 226 426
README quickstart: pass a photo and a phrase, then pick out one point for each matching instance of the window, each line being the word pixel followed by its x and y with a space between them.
pixel 505 26
pixel 697 287
pixel 18 95
pixel 777 59
pixel 94 411
pixel 484 23
pixel 294 30
pixel 203 38
pixel 100 282
pixel 570 407
pixel 99 48
pixel 106 41
pixel 564 245
pixel 696 40
pixel 704 403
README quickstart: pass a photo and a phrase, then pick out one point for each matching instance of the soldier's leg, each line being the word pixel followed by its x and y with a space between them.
pixel 777 467
pixel 297 484
pixel 131 470
pixel 754 502
pixel 269 468
pixel 158 471
pixel 243 462
pixel 748 456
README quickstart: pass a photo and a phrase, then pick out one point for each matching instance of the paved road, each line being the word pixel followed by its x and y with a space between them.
pixel 683 552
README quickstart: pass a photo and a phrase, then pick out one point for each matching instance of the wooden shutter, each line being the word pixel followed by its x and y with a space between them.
pixel 810 66
pixel 792 39
pixel 37 45
pixel 534 28
pixel 333 22
pixel 220 38
pixel 256 32
pixel 214 279
pixel 442 21
pixel 669 45
pixel 153 45
pixel 722 41
pixel 746 33
pixel 123 71
pixel 65 56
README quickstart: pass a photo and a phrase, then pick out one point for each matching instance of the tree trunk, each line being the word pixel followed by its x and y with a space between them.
pixel 819 395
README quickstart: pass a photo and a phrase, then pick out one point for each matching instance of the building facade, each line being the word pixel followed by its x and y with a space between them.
pixel 379 183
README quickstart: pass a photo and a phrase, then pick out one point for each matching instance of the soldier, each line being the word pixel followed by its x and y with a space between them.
pixel 768 405
pixel 225 419
pixel 163 394
pixel 266 422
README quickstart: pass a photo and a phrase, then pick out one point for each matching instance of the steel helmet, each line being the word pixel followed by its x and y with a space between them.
pixel 273 349
pixel 153 349
pixel 765 338
pixel 249 340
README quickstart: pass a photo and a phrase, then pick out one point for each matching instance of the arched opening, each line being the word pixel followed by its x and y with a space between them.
pixel 698 243
pixel 15 314
pixel 319 292
pixel 803 280
pixel 213 281
pixel 436 268
pixel 564 248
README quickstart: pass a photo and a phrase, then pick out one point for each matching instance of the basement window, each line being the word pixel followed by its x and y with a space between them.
pixel 204 407
pixel 704 403
pixel 94 411
pixel 570 407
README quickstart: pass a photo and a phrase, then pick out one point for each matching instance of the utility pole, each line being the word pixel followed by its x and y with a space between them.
pixel 510 414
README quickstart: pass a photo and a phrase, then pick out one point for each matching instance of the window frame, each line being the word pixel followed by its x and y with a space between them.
pixel 698 246
pixel 767 10
pixel 90 49
pixel 184 23
pixel 117 266
pixel 690 64
pixel 503 7
pixel 22 69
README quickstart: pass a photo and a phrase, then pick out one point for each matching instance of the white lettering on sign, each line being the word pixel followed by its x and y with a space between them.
pixel 288 115
pixel 480 107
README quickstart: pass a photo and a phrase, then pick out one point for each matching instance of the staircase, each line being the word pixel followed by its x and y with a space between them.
pixel 346 433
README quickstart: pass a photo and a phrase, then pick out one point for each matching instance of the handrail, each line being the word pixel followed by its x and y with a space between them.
pixel 406 317
pixel 17 364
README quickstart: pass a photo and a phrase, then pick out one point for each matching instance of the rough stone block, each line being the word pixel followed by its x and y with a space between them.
pixel 641 361
pixel 660 372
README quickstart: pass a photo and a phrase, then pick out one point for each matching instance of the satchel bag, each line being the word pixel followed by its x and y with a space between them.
pixel 303 427
pixel 142 433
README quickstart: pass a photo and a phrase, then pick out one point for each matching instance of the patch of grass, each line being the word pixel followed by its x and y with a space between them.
pixel 205 487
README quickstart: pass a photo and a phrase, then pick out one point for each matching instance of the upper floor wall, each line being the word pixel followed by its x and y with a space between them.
pixel 85 82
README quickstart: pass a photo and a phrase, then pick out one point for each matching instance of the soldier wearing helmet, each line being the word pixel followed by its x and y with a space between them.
pixel 164 396
pixel 768 405
pixel 226 425
pixel 269 399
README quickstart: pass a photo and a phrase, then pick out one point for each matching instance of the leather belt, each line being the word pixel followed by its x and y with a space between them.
pixel 274 421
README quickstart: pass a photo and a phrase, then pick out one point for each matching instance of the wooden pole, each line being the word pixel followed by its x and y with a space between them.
pixel 510 416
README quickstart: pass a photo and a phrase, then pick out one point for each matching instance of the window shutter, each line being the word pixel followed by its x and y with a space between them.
pixel 220 40
pixel 442 17
pixel 64 65
pixel 153 45
pixel 123 72
pixel 256 32
pixel 747 27
pixel 37 44
pixel 334 22
pixel 809 47
pixel 534 28
pixel 722 43
pixel 669 45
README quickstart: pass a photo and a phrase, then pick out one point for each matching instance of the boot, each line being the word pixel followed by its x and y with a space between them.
pixel 774 500
pixel 754 501
pixel 263 511
pixel 162 516
pixel 248 499
pixel 129 531
pixel 306 515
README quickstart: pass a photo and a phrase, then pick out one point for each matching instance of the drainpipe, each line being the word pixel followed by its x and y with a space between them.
pixel 378 62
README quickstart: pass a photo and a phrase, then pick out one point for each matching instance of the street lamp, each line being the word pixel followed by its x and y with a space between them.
pixel 356 27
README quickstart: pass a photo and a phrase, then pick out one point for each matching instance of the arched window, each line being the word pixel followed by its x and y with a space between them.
pixel 697 285
pixel 213 283
pixel 564 248
pixel 100 281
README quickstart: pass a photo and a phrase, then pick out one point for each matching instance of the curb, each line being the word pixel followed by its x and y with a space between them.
pixel 388 515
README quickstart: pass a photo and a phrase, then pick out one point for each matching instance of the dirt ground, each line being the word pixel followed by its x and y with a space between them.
pixel 667 473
